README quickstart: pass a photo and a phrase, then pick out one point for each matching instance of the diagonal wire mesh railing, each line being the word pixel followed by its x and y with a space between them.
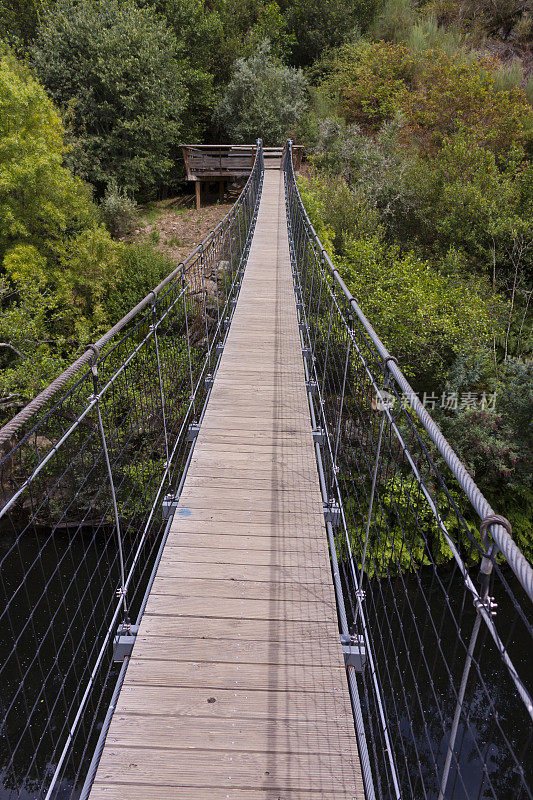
pixel 89 470
pixel 434 596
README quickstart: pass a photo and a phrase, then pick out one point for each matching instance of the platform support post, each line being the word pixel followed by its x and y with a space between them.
pixel 198 187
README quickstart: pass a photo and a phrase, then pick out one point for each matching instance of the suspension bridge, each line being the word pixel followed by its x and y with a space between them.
pixel 239 559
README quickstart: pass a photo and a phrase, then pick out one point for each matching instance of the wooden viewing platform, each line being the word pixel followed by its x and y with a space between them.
pixel 236 687
pixel 208 163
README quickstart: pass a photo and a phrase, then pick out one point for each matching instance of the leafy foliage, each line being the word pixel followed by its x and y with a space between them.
pixel 63 280
pixel 117 73
pixel 436 96
pixel 442 315
pixel 117 210
pixel 325 24
pixel 263 99
pixel 497 448
pixel 452 95
pixel 366 80
pixel 19 19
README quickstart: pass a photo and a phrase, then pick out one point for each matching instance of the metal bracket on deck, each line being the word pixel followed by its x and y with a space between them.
pixel 312 387
pixel 209 380
pixel 353 649
pixel 219 349
pixel 124 641
pixel 299 307
pixel 233 302
pixel 319 436
pixel 227 323
pixel 170 504
pixel 302 327
pixel 332 513
pixel 193 431
pixel 307 354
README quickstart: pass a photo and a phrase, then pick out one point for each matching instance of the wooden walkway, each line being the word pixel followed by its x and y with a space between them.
pixel 236 686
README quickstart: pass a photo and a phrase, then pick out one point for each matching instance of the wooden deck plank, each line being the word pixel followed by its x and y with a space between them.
pixel 117 791
pixel 221 699
pixel 253 590
pixel 232 541
pixel 214 675
pixel 234 704
pixel 231 651
pixel 239 608
pixel 260 558
pixel 132 730
pixel 252 630
pixel 142 765
pixel 303 574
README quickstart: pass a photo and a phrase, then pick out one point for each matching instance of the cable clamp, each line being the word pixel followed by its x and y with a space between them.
pixel 332 513
pixel 494 519
pixel 360 594
pixel 95 350
pixel 485 568
pixel 486 603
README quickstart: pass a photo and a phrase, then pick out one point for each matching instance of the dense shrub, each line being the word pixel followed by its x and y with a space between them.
pixel 263 99
pixel 394 20
pixel 117 210
pixel 325 24
pixel 452 94
pixel 435 95
pixel 496 446
pixel 40 201
pixel 366 80
pixel 19 19
pixel 442 315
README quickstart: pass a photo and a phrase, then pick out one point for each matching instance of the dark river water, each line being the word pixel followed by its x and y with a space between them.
pixel 420 663
pixel 24 779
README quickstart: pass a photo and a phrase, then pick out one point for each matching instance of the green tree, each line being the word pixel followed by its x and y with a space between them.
pixel 120 79
pixel 324 24
pixel 40 201
pixel 19 19
pixel 63 280
pixel 263 99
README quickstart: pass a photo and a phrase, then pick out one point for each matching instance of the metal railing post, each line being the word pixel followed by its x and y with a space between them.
pixel 153 327
pixel 121 592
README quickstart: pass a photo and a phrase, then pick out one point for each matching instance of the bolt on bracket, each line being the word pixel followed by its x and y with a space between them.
pixel 312 387
pixel 193 431
pixel 319 436
pixel 354 651
pixel 170 504
pixel 124 641
pixel 332 513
